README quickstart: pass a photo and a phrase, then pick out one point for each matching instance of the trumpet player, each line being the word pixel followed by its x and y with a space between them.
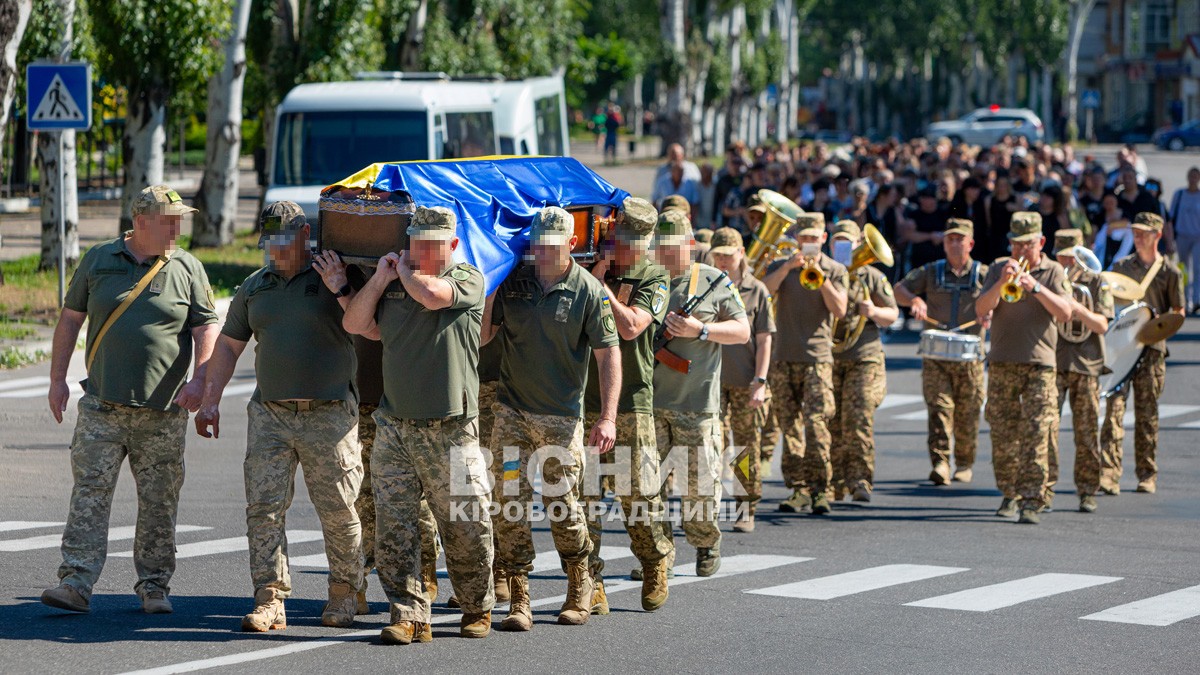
pixel 859 378
pixel 810 293
pixel 1027 293
pixel 1080 363
pixel 953 390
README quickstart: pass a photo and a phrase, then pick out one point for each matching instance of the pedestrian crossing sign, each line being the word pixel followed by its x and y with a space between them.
pixel 59 96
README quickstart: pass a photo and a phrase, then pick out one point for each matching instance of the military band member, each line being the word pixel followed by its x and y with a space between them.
pixel 427 310
pixel 953 390
pixel 744 368
pixel 859 375
pixel 1164 293
pixel 687 405
pixel 136 412
pixel 802 363
pixel 1022 390
pixel 304 412
pixel 550 316
pixel 1080 364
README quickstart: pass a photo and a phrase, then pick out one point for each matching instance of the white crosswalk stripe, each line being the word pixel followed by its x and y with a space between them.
pixel 14 525
pixel 20 382
pixel 898 400
pixel 34 392
pixel 54 540
pixel 1160 610
pixel 1009 593
pixel 229 545
pixel 860 581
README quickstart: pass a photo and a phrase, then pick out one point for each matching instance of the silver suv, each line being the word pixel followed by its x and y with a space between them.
pixel 988 126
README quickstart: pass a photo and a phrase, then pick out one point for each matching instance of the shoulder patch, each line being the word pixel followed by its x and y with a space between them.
pixel 660 298
pixel 212 302
pixel 460 274
pixel 887 289
pixel 610 324
pixel 737 296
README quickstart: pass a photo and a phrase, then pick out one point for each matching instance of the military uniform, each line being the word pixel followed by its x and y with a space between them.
pixel 1163 294
pixel 859 385
pixel 129 411
pixel 953 390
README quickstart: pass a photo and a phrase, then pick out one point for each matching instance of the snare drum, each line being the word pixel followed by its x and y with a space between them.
pixel 943 345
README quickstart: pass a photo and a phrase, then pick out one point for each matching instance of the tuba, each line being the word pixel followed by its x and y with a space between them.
pixel 1011 291
pixel 769 242
pixel 1074 331
pixel 874 248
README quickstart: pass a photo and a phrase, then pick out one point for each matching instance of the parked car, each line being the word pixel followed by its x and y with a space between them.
pixel 988 126
pixel 1178 137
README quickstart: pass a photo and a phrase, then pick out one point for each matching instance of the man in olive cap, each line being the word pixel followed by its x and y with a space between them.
pixel 428 311
pixel 303 412
pixel 1022 393
pixel 148 305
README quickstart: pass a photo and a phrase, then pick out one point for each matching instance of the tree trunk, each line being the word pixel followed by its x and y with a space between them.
pixel 676 122
pixel 1047 114
pixel 1010 91
pixel 14 17
pixel 1080 11
pixel 145 141
pixel 48 161
pixel 218 195
pixel 414 37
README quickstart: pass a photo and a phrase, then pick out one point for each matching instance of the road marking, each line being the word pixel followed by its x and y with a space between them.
pixel 542 562
pixel 849 583
pixel 897 400
pixel 684 574
pixel 24 382
pixel 55 540
pixel 1009 593
pixel 13 525
pixel 1160 610
pixel 230 545
pixel 34 392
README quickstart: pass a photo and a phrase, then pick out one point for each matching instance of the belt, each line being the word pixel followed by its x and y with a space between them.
pixel 301 406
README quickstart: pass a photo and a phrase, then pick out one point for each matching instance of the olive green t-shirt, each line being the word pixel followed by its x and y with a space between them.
pixel 143 359
pixel 868 347
pixel 699 391
pixel 547 339
pixel 301 350
pixel 1087 357
pixel 430 357
pixel 737 361
pixel 644 285
pixel 489 362
pixel 805 324
pixel 1024 331
pixel 1163 294
pixel 939 283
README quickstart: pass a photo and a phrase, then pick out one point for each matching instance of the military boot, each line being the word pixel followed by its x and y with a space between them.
pixel 940 474
pixel 402 632
pixel 268 612
pixel 1148 486
pixel 708 561
pixel 155 601
pixel 1029 516
pixel 500 584
pixel 578 606
pixel 963 474
pixel 820 504
pixel 654 585
pixel 360 600
pixel 520 615
pixel 64 596
pixel 339 611
pixel 745 521
pixel 1008 507
pixel 1087 504
pixel 862 493
pixel 430 581
pixel 797 503
pixel 599 598
pixel 475 625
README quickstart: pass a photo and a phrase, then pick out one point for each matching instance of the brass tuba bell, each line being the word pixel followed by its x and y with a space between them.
pixel 874 248
pixel 1075 331
pixel 769 242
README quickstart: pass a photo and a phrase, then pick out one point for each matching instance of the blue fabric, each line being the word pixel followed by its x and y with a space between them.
pixel 495 200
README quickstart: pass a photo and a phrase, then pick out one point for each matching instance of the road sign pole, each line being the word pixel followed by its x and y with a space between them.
pixel 60 199
pixel 1089 116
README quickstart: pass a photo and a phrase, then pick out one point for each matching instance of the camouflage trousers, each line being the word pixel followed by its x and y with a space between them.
pixel 858 388
pixel 1083 391
pixel 636 483
pixel 438 460
pixel 1148 381
pixel 520 442
pixel 324 441
pixel 365 504
pixel 487 413
pixel 700 435
pixel 802 396
pixel 746 426
pixel 105 434
pixel 1022 408
pixel 953 397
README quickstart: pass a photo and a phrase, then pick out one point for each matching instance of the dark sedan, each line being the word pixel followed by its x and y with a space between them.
pixel 1177 138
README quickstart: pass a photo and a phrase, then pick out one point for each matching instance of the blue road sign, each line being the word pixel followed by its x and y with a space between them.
pixel 1090 99
pixel 59 96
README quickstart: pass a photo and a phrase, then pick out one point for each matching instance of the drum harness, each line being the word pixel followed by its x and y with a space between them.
pixel 955 288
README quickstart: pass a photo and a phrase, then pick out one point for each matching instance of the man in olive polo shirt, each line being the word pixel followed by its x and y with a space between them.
pixel 637 293
pixel 1022 397
pixel 303 412
pixel 802 364
pixel 427 310
pixel 551 316
pixel 135 400
pixel 687 406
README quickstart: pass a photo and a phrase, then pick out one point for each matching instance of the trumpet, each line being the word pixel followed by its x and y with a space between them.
pixel 811 276
pixel 1011 291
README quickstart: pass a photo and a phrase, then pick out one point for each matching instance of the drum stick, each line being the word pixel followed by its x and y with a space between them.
pixel 964 326
pixel 937 324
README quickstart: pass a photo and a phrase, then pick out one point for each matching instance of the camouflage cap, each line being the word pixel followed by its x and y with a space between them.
pixel 1067 239
pixel 758 208
pixel 1025 226
pixel 847 229
pixel 676 203
pixel 960 226
pixel 639 221
pixel 432 223
pixel 160 200
pixel 703 235
pixel 552 225
pixel 810 224
pixel 674 227
pixel 1151 222
pixel 726 241
pixel 281 217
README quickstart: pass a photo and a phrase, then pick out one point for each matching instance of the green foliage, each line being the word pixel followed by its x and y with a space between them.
pixel 12 357
pixel 598 65
pixel 43 35
pixel 719 84
pixel 515 38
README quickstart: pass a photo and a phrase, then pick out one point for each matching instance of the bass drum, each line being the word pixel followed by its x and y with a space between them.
pixel 1122 351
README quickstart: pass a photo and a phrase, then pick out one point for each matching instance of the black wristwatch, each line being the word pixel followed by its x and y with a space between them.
pixel 759 380
pixel 344 291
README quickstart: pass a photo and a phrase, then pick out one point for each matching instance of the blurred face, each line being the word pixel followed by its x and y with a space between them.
pixel 551 256
pixel 676 255
pixel 157 232
pixel 431 255
pixel 728 262
pixel 1046 203
pixel 957 246
pixel 1146 243
pixel 1030 250
pixel 817 239
pixel 627 253
pixel 1095 181
pixel 1193 178
pixel 675 154
pixel 754 218
pixel 1109 203
pixel 288 250
pixel 1129 179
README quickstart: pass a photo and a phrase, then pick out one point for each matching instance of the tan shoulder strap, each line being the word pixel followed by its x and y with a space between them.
pixel 694 281
pixel 1151 273
pixel 112 318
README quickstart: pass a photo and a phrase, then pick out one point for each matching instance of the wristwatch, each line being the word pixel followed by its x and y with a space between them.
pixel 344 291
pixel 1037 288
pixel 759 380
pixel 703 333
